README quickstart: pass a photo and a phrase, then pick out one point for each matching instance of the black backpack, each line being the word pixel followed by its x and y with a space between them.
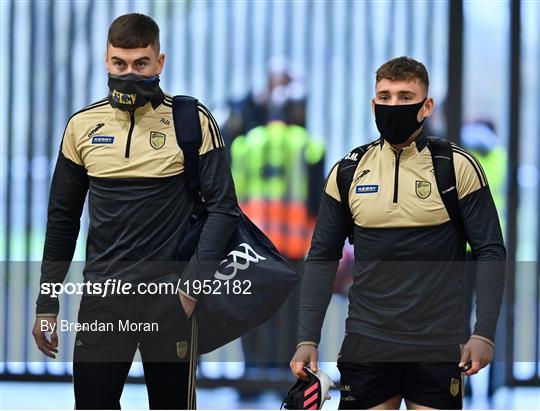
pixel 224 317
pixel 443 167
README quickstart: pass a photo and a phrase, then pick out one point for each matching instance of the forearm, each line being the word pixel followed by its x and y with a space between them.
pixel 320 270
pixel 490 279
pixel 223 213
pixel 315 297
pixel 215 236
pixel 484 235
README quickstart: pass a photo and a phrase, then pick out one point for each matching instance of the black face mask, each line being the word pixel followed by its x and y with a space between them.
pixel 132 90
pixel 397 123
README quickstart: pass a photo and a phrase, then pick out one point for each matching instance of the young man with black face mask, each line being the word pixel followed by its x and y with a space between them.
pixel 405 337
pixel 123 152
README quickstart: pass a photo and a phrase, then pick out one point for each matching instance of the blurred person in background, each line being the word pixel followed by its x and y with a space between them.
pixel 123 152
pixel 404 334
pixel 480 138
pixel 283 98
pixel 278 170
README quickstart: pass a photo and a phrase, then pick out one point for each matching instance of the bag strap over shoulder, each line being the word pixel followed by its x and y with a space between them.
pixel 189 137
pixel 345 174
pixel 443 167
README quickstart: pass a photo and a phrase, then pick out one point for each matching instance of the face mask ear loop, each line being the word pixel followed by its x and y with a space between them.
pixel 421 107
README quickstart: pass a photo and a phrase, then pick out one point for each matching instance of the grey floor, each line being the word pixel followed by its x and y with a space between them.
pixel 46 396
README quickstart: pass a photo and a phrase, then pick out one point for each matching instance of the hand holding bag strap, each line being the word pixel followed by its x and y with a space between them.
pixel 189 137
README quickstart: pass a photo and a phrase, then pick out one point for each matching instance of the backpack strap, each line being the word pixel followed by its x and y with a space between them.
pixel 189 138
pixel 345 174
pixel 443 167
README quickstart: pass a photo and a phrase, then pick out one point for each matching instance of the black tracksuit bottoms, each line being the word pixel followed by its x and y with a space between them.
pixel 154 324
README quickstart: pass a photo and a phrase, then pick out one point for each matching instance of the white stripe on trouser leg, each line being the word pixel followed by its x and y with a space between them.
pixel 462 378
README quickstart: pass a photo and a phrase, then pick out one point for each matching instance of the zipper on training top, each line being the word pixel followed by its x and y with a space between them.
pixel 396 177
pixel 131 126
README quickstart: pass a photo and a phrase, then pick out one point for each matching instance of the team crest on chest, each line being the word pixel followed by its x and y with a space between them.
pixel 423 189
pixel 157 140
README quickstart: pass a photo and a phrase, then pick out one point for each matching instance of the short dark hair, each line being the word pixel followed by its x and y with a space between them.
pixel 132 31
pixel 403 69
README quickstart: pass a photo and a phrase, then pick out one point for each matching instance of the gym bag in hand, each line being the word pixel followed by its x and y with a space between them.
pixel 266 278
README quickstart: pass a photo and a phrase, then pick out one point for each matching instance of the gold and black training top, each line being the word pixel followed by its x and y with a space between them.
pixel 409 256
pixel 130 165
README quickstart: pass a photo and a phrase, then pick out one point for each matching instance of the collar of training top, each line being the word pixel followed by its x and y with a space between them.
pixel 420 141
pixel 157 99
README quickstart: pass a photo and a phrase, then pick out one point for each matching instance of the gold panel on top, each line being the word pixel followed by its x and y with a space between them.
pixel 417 203
pixel 97 138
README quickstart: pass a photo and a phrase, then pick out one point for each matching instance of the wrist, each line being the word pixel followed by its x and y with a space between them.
pixel 487 340
pixel 310 343
pixel 46 315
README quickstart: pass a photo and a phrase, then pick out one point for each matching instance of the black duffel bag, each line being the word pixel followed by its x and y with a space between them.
pixel 263 278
